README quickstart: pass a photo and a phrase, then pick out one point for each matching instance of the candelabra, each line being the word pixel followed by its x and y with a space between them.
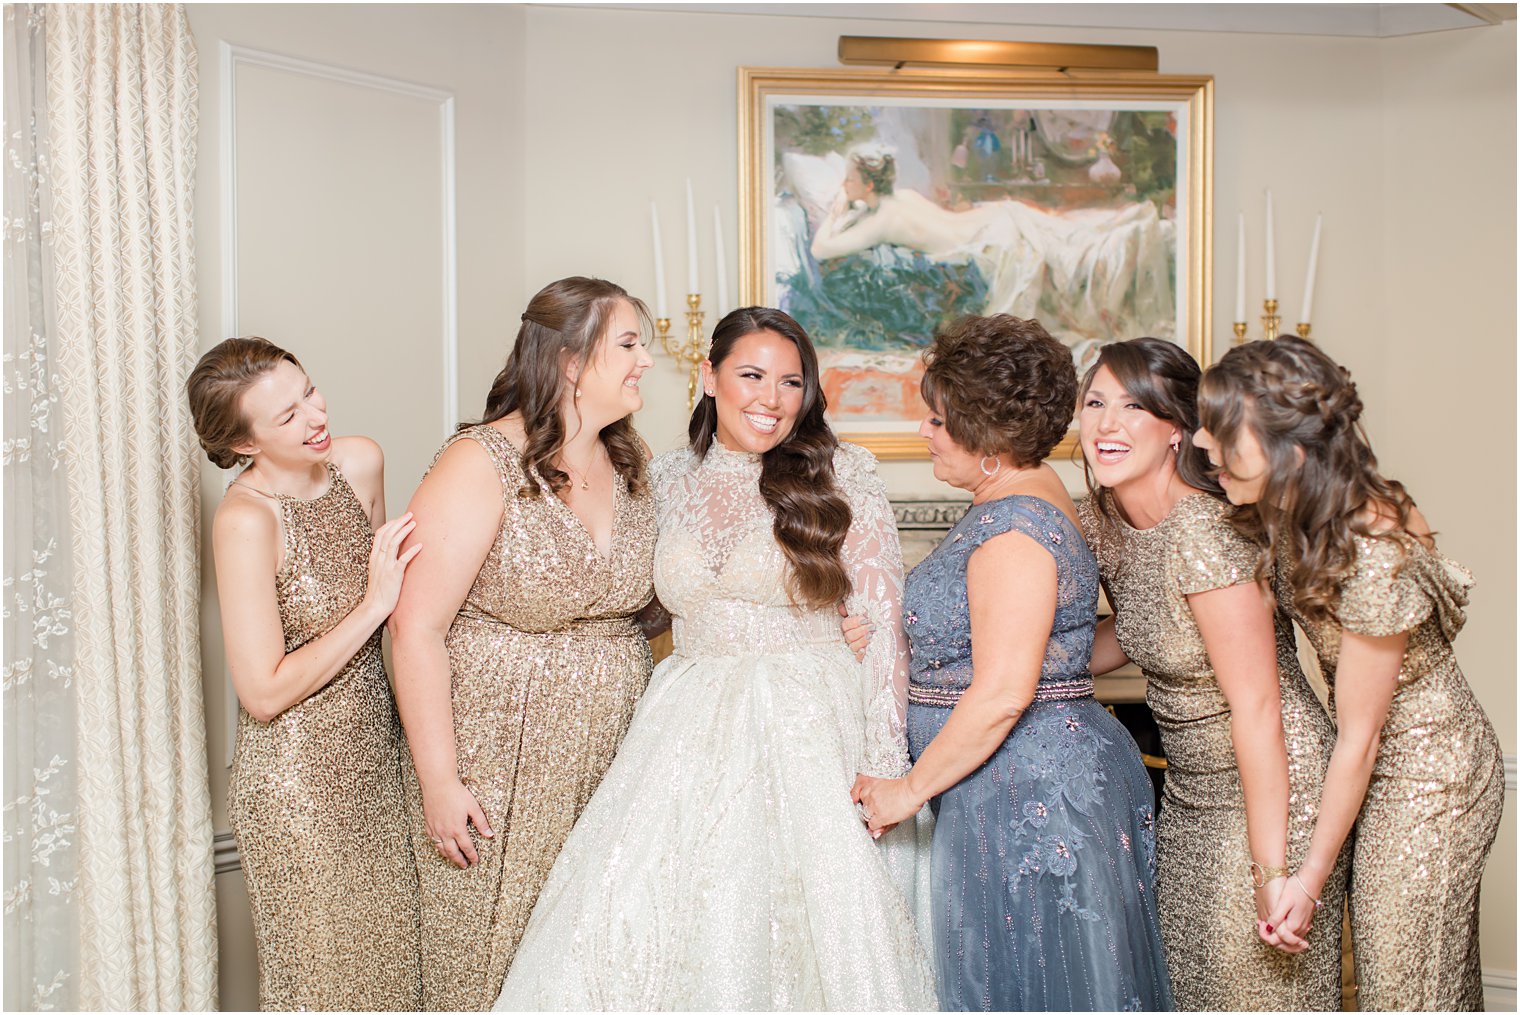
pixel 1270 323
pixel 693 350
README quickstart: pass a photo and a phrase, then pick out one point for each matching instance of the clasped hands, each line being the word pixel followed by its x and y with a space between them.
pixel 1284 914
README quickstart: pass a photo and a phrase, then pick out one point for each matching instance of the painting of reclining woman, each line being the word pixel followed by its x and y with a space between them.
pixel 889 220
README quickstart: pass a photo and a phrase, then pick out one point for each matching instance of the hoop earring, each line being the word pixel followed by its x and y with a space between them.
pixel 1176 447
pixel 983 465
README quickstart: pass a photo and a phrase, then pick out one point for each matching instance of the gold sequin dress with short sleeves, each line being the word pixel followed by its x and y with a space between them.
pixel 547 664
pixel 1437 789
pixel 1203 890
pixel 316 794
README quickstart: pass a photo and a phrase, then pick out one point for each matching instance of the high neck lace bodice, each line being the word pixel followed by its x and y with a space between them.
pixel 724 578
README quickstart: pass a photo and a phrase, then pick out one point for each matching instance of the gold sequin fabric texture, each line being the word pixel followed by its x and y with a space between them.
pixel 547 664
pixel 1437 789
pixel 1208 912
pixel 316 795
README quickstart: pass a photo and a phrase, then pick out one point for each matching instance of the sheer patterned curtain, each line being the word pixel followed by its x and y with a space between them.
pixel 99 225
pixel 41 840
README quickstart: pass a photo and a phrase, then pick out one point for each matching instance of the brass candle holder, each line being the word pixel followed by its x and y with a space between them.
pixel 692 350
pixel 1270 323
pixel 1269 319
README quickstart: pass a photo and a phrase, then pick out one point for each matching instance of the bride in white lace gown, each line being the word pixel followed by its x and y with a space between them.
pixel 721 864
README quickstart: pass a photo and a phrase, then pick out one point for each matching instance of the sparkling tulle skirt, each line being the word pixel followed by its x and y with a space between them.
pixel 721 864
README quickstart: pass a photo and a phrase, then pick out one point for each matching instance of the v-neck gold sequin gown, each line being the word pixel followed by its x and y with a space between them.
pixel 547 665
pixel 1437 789
pixel 316 794
pixel 1203 891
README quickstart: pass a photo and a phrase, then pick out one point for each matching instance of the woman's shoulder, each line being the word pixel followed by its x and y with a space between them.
pixel 853 462
pixel 360 461
pixel 670 465
pixel 246 515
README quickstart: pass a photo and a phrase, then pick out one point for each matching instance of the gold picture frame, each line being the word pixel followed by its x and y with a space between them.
pixel 1003 156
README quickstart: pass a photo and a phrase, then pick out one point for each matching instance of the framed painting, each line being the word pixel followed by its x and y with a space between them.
pixel 876 207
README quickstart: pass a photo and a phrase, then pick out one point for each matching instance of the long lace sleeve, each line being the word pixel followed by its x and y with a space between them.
pixel 873 558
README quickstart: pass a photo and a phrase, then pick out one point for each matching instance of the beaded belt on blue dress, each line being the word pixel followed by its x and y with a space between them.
pixel 1055 690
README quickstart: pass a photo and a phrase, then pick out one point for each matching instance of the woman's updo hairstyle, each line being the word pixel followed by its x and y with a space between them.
pixel 879 169
pixel 1322 477
pixel 811 516
pixel 1002 385
pixel 1162 379
pixel 215 390
pixel 566 319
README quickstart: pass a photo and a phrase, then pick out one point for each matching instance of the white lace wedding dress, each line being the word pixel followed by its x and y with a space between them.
pixel 721 864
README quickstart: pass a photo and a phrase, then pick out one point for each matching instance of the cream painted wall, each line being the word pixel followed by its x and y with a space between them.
pixel 1448 299
pixel 340 226
pixel 1407 145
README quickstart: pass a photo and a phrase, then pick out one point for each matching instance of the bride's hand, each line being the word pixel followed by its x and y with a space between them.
pixel 857 632
pixel 886 802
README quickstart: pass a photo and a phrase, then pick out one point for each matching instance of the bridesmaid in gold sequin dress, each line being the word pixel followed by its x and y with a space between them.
pixel 1246 740
pixel 1416 763
pixel 307 571
pixel 519 657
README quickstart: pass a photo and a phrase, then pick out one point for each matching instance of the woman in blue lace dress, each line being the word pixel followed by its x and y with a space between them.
pixel 1044 859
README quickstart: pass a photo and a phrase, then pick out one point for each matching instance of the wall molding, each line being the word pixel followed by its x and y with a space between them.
pixel 231 58
pixel 224 853
pixel 1498 990
pixel 1509 773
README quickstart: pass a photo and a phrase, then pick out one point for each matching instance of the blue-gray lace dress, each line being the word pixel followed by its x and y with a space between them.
pixel 1044 859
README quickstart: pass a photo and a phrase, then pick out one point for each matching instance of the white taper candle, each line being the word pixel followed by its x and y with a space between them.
pixel 1240 267
pixel 1271 254
pixel 1303 318
pixel 721 307
pixel 660 309
pixel 692 286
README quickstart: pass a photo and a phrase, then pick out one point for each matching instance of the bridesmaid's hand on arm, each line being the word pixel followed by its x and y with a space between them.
pixel 458 510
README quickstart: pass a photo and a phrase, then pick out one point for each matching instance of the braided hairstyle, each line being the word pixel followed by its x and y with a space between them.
pixel 1323 488
pixel 880 171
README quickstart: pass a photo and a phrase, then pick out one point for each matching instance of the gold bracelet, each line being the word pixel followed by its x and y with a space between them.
pixel 1261 874
pixel 1300 884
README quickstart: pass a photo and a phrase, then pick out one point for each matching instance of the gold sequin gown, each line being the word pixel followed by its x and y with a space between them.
pixel 316 796
pixel 1437 789
pixel 547 664
pixel 1203 891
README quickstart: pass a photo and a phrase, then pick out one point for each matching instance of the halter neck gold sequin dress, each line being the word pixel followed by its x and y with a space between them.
pixel 1203 891
pixel 316 795
pixel 547 664
pixel 1437 789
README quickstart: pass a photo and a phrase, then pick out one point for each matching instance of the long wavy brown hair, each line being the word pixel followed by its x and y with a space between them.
pixel 1162 379
pixel 566 319
pixel 811 516
pixel 1322 488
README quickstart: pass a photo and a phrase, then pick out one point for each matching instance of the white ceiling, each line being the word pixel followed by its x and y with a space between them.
pixel 1354 19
